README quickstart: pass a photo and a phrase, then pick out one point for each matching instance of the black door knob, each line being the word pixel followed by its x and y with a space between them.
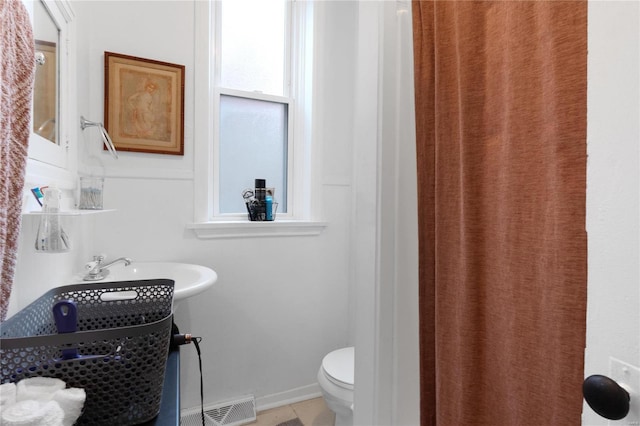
pixel 606 397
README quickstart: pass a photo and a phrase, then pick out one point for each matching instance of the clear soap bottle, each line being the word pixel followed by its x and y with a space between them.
pixel 51 238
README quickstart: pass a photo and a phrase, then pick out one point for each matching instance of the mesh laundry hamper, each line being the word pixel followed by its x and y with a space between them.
pixel 122 340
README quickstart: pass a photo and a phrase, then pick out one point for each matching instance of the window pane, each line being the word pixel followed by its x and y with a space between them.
pixel 253 145
pixel 253 41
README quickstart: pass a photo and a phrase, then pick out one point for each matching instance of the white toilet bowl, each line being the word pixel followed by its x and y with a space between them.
pixel 335 378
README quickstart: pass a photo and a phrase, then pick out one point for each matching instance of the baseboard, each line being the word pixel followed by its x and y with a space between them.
pixel 288 397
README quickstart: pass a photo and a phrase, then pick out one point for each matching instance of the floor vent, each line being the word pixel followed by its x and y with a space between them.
pixel 233 413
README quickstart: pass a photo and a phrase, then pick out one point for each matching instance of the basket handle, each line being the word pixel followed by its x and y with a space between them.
pixel 115 296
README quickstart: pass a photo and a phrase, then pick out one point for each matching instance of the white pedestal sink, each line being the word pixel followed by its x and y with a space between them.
pixel 189 279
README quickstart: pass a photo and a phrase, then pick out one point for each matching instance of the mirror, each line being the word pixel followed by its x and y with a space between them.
pixel 52 151
pixel 46 86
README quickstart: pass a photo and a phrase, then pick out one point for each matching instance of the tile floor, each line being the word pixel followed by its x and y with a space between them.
pixel 312 412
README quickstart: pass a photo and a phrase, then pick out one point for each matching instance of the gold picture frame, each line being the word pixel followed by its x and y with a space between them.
pixel 144 104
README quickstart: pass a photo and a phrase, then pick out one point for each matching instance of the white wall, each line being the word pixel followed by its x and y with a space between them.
pixel 37 272
pixel 613 190
pixel 266 333
pixel 385 228
pixel 405 402
pixel 280 304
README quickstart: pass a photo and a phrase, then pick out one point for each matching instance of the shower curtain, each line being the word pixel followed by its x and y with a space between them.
pixel 501 145
pixel 17 70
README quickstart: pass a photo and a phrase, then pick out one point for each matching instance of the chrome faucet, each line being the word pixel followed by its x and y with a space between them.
pixel 99 270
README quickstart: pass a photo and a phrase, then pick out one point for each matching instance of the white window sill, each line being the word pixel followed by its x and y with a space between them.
pixel 248 229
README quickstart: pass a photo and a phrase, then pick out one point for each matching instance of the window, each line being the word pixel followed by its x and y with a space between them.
pixel 253 144
pixel 253 79
pixel 254 100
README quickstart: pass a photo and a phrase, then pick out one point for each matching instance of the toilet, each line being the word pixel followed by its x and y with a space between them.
pixel 335 378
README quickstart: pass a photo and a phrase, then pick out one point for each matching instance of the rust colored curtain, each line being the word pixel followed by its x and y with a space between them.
pixel 501 145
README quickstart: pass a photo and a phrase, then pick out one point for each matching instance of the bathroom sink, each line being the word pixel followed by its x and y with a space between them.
pixel 189 279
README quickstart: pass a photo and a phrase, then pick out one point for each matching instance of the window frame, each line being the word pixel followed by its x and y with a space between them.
pixel 301 217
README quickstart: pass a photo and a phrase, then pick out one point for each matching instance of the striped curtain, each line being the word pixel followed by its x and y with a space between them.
pixel 17 71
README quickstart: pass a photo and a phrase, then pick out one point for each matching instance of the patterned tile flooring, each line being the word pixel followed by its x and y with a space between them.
pixel 312 412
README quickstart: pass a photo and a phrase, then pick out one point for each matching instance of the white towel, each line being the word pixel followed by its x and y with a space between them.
pixel 32 413
pixel 7 394
pixel 38 388
pixel 71 401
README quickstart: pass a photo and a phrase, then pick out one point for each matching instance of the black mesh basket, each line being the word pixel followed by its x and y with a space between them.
pixel 122 337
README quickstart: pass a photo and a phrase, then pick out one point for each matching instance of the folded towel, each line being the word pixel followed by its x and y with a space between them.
pixel 7 394
pixel 32 413
pixel 71 401
pixel 38 388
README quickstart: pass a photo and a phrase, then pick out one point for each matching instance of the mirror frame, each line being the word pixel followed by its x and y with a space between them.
pixel 50 163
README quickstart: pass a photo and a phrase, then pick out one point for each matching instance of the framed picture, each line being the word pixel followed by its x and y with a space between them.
pixel 144 104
